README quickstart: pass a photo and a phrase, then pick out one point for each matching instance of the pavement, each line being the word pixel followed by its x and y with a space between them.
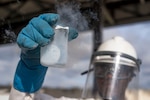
pixel 143 95
pixel 4 96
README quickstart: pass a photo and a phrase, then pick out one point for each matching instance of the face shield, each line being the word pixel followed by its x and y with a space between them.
pixel 113 73
pixel 116 69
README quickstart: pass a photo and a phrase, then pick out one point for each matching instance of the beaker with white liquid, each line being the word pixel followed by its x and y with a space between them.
pixel 55 53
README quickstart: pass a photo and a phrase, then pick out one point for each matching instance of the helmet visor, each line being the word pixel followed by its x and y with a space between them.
pixel 113 73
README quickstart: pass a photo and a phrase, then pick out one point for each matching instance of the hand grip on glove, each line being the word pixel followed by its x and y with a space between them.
pixel 30 74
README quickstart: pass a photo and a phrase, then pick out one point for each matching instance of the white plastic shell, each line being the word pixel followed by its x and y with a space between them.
pixel 118 44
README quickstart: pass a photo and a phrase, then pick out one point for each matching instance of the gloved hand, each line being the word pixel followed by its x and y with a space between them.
pixel 30 74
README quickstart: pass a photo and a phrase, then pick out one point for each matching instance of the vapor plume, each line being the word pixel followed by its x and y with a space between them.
pixel 71 16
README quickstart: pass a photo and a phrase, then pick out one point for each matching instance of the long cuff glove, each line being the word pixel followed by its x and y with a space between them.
pixel 29 75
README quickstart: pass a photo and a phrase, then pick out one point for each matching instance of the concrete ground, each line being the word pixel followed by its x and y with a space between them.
pixel 75 93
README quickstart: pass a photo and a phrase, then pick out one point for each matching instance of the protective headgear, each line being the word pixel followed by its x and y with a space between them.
pixel 115 64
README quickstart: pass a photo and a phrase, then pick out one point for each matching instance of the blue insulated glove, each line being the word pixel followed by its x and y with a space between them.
pixel 30 74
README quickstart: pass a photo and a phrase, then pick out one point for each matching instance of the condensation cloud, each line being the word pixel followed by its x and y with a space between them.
pixel 71 16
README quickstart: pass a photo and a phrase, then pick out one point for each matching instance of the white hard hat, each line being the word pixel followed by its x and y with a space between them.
pixel 114 46
pixel 118 44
